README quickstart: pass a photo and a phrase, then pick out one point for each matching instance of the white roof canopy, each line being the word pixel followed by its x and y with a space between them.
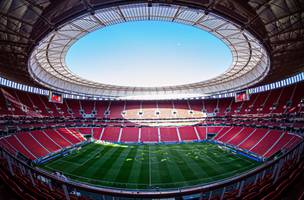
pixel 250 59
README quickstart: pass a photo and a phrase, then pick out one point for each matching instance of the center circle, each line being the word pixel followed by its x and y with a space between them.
pixel 149 54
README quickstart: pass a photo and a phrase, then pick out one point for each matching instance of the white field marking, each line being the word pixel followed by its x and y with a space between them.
pixel 68 162
pixel 91 157
pixel 166 183
pixel 79 164
pixel 92 179
pixel 162 183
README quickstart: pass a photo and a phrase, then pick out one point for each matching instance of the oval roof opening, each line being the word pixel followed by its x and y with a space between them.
pixel 149 54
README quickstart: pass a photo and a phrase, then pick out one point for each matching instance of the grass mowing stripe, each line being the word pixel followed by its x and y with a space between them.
pixel 78 157
pixel 117 165
pixel 168 166
pixel 92 165
pixel 104 165
pixel 183 166
pixel 144 171
pixel 163 167
pixel 207 167
pixel 128 164
pixel 134 172
pixel 193 161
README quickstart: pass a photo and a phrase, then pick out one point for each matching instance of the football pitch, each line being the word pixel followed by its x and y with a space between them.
pixel 150 166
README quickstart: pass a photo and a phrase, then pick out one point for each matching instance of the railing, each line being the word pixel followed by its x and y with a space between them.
pixel 273 170
pixel 278 84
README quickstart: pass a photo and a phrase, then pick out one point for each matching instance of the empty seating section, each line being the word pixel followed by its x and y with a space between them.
pixel 74 106
pixel 295 140
pixel 235 107
pixel 210 106
pixel 41 107
pixel 57 138
pixel 18 146
pixel 63 109
pixel 18 108
pixel 279 144
pixel 50 107
pixel 6 145
pixel 45 141
pixel 70 135
pixel 165 109
pixel 3 107
pixel 129 134
pixel 85 131
pixel 272 97
pixel 25 102
pixel 202 132
pixel 282 100
pixel 187 133
pixel 31 144
pixel 182 109
pixel 168 134
pixel 149 110
pixel 230 134
pixel 260 141
pixel 36 144
pixel 116 109
pixel 223 105
pixel 266 142
pixel 241 136
pixel 100 108
pixel 132 110
pixel 111 134
pixel 87 106
pixel 258 102
pixel 214 129
pixel 12 104
pixel 97 133
pixel 219 133
pixel 253 139
pixel 149 134
pixel 196 107
pixel 76 133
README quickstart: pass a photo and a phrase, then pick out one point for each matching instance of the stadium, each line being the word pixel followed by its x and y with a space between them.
pixel 230 126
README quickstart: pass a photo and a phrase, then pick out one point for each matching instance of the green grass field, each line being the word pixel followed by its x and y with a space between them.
pixel 150 166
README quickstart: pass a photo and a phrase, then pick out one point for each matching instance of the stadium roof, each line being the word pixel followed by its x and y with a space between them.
pixel 277 24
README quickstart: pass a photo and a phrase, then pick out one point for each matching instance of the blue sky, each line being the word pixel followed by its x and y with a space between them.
pixel 148 54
